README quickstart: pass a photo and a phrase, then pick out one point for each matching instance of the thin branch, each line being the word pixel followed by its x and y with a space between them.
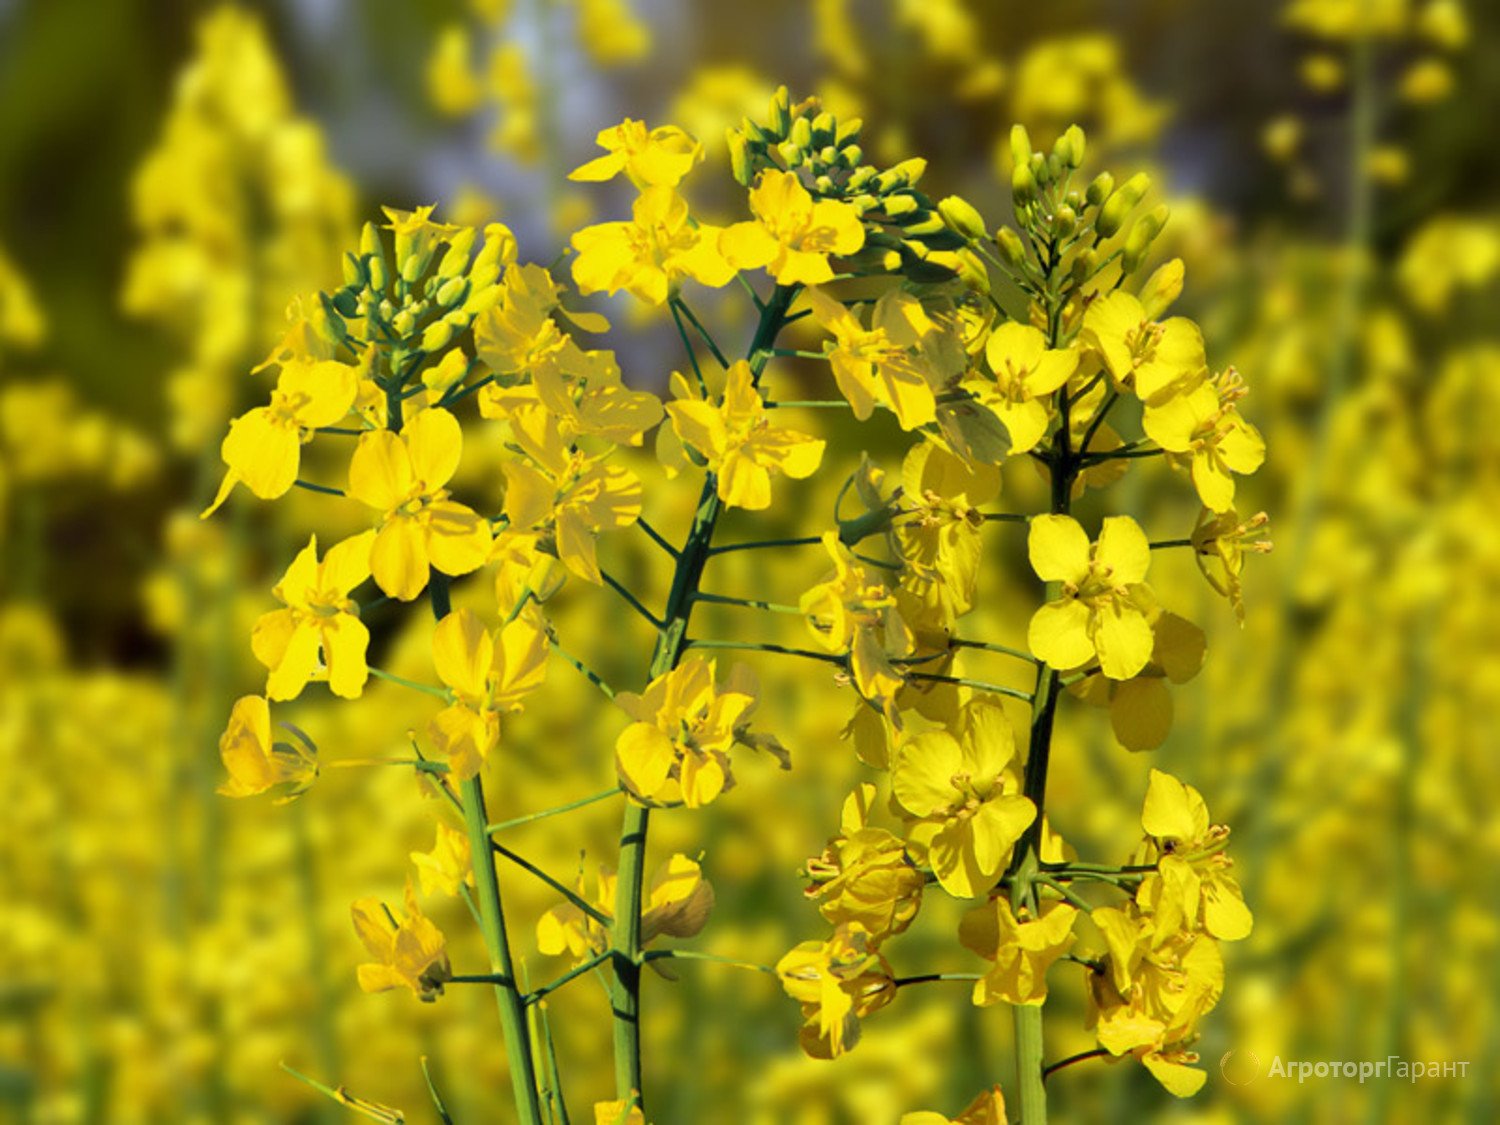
pixel 990 646
pixel 1071 1059
pixel 977 685
pixel 561 888
pixel 571 975
pixel 766 544
pixel 746 603
pixel 531 818
pixel 322 488
pixel 588 673
pixel 928 978
pixel 633 601
pixel 758 646
pixel 687 346
pixel 714 348
pixel 694 955
pixel 657 536
pixel 425 689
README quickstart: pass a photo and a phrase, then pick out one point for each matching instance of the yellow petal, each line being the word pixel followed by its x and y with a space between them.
pixel 1059 549
pixel 380 472
pixel 399 558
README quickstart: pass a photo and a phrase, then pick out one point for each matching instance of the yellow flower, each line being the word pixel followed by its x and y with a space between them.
pixel 938 532
pixel 1101 611
pixel 490 674
pixel 264 447
pixel 1140 709
pixel 409 952
pixel 447 867
pixel 853 612
pixel 1193 867
pixel 658 157
pixel 896 363
pixel 1154 989
pixel 677 749
pixel 987 1109
pixel 792 235
pixel 403 476
pixel 1150 358
pixel 1220 543
pixel 964 794
pixel 1022 949
pixel 838 982
pixel 255 762
pixel 677 904
pixel 737 441
pixel 521 339
pixel 863 875
pixel 650 255
pixel 1025 372
pixel 1203 432
pixel 318 614
pixel 565 493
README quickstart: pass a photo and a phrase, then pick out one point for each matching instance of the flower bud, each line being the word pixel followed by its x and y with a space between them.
pixel 1070 147
pixel 1121 203
pixel 1020 146
pixel 1011 248
pixel 962 216
pixel 1099 189
pixel 1142 234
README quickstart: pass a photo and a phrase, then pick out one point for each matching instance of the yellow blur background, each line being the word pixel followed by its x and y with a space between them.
pixel 172 172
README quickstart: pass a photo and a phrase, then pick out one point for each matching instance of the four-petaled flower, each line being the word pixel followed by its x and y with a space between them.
pixel 318 614
pixel 1153 359
pixel 737 441
pixel 650 255
pixel 1025 371
pixel 403 476
pixel 658 157
pixel 255 762
pixel 1021 949
pixel 490 674
pixel 964 795
pixel 264 447
pixel 1101 611
pixel 792 235
pixel 677 749
pixel 409 951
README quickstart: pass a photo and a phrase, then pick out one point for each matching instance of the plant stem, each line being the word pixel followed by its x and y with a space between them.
pixel 670 643
pixel 516 822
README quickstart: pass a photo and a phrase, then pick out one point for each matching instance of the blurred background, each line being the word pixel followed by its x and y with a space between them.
pixel 173 173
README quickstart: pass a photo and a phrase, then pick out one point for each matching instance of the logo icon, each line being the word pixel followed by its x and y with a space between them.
pixel 1240 1068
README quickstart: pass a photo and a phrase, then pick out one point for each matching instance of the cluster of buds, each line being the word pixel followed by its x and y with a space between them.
pixel 905 232
pixel 428 299
pixel 1060 220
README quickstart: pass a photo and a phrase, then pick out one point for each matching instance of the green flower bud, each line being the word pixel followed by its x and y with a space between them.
pixel 1011 248
pixel 1142 234
pixel 1121 203
pixel 437 336
pixel 1020 146
pixel 802 134
pixel 739 158
pixel 1099 189
pixel 1065 222
pixel 1022 185
pixel 962 216
pixel 1070 147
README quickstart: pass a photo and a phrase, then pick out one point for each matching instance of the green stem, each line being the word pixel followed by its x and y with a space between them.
pixel 492 920
pixel 670 643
